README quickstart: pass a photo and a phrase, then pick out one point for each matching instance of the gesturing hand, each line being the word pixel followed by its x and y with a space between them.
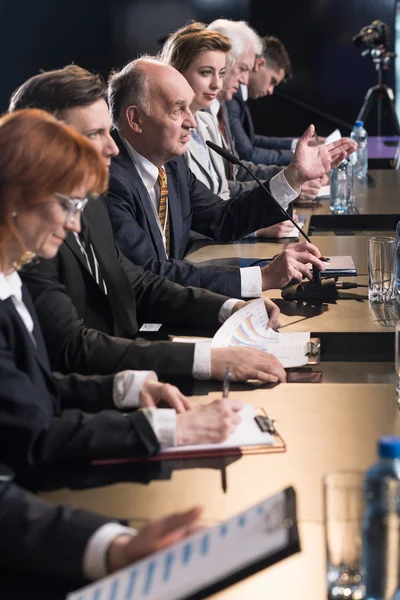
pixel 310 162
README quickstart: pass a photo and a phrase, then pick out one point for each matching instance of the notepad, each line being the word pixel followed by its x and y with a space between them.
pixel 340 265
pixel 248 327
pixel 247 433
pixel 324 191
pixel 209 560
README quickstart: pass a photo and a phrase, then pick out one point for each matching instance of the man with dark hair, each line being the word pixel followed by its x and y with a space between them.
pixel 270 68
pixel 91 300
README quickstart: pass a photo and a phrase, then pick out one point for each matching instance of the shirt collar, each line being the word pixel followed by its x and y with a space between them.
pixel 214 107
pixel 10 285
pixel 245 92
pixel 147 171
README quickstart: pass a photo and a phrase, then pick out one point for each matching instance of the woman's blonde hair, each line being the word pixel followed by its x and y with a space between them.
pixel 182 47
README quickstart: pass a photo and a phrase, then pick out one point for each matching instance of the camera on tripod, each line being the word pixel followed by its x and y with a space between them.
pixel 374 40
pixel 372 36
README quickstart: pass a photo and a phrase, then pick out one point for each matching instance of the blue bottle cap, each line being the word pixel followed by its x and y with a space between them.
pixel 359 123
pixel 389 447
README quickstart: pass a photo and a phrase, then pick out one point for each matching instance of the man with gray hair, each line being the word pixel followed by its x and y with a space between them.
pixel 246 46
pixel 154 200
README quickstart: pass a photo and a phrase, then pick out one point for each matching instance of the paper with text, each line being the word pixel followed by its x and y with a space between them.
pixel 249 327
pixel 200 560
pixel 247 433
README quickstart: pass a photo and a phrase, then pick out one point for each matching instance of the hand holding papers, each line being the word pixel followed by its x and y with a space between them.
pixel 249 327
pixel 210 560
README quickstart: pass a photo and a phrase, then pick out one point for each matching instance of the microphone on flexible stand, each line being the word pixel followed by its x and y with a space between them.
pixel 316 289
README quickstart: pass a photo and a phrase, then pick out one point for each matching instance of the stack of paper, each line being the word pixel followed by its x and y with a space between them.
pixel 249 327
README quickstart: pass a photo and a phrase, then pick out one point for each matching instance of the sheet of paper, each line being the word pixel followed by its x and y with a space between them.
pixel 324 191
pixel 247 433
pixel 295 233
pixel 333 137
pixel 249 327
pixel 200 560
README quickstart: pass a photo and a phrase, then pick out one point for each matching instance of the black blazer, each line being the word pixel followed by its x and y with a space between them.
pixel 256 148
pixel 38 537
pixel 35 428
pixel 87 331
pixel 191 206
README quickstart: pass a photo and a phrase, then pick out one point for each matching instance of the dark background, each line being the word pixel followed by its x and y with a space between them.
pixel 103 34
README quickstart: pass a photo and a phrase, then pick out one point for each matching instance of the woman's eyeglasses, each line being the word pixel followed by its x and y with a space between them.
pixel 72 206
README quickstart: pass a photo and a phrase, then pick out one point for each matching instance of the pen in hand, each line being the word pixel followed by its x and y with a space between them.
pixel 226 384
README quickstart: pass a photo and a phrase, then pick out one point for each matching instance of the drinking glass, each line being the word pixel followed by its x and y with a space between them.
pixel 343 511
pixel 382 269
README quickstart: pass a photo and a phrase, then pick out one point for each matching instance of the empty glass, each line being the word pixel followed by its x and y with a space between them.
pixel 343 511
pixel 382 269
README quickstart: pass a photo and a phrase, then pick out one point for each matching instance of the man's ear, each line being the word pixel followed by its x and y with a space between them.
pixel 258 63
pixel 134 118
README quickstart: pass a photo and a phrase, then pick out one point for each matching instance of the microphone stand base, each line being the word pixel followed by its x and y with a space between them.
pixel 310 290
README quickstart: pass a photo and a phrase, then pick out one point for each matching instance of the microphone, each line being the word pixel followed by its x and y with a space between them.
pixel 307 290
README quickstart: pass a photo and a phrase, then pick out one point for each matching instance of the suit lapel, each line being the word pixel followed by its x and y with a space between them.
pixel 38 347
pixel 71 242
pixel 135 182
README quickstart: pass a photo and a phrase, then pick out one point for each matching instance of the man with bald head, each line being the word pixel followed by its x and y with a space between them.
pixel 154 200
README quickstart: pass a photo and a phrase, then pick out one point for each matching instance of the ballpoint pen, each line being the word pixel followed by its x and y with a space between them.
pixel 226 384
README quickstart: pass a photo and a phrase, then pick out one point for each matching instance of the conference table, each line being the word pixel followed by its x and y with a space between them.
pixel 330 424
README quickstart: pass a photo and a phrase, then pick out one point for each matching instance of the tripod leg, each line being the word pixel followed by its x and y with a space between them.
pixel 367 105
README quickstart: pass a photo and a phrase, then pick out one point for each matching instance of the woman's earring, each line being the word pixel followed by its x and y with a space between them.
pixel 14 214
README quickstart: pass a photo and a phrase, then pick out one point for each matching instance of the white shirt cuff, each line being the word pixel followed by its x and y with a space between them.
pixel 293 145
pixel 127 387
pixel 163 422
pixel 251 282
pixel 202 360
pixel 283 193
pixel 94 564
pixel 226 309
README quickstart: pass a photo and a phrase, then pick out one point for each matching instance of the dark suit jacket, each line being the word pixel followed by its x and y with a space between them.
pixel 34 427
pixel 89 332
pixel 256 148
pixel 191 206
pixel 41 538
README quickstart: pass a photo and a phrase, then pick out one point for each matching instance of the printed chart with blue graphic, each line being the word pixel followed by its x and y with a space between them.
pixel 249 327
pixel 206 558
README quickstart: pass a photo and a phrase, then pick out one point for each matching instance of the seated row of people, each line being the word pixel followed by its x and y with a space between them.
pixel 72 301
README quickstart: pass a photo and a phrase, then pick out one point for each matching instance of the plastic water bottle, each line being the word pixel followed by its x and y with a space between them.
pixel 381 523
pixel 360 159
pixel 342 187
pixel 398 260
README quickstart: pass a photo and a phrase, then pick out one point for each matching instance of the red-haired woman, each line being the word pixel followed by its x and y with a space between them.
pixel 47 172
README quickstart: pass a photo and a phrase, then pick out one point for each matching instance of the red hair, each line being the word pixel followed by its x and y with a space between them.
pixel 40 156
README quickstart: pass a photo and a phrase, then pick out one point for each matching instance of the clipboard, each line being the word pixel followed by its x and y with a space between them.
pixel 278 445
pixel 211 560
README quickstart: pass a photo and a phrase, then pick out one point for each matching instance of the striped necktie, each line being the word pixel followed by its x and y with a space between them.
pixel 162 207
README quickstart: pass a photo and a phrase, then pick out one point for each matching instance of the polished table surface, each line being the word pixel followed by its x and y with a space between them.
pixel 351 314
pixel 382 197
pixel 325 427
